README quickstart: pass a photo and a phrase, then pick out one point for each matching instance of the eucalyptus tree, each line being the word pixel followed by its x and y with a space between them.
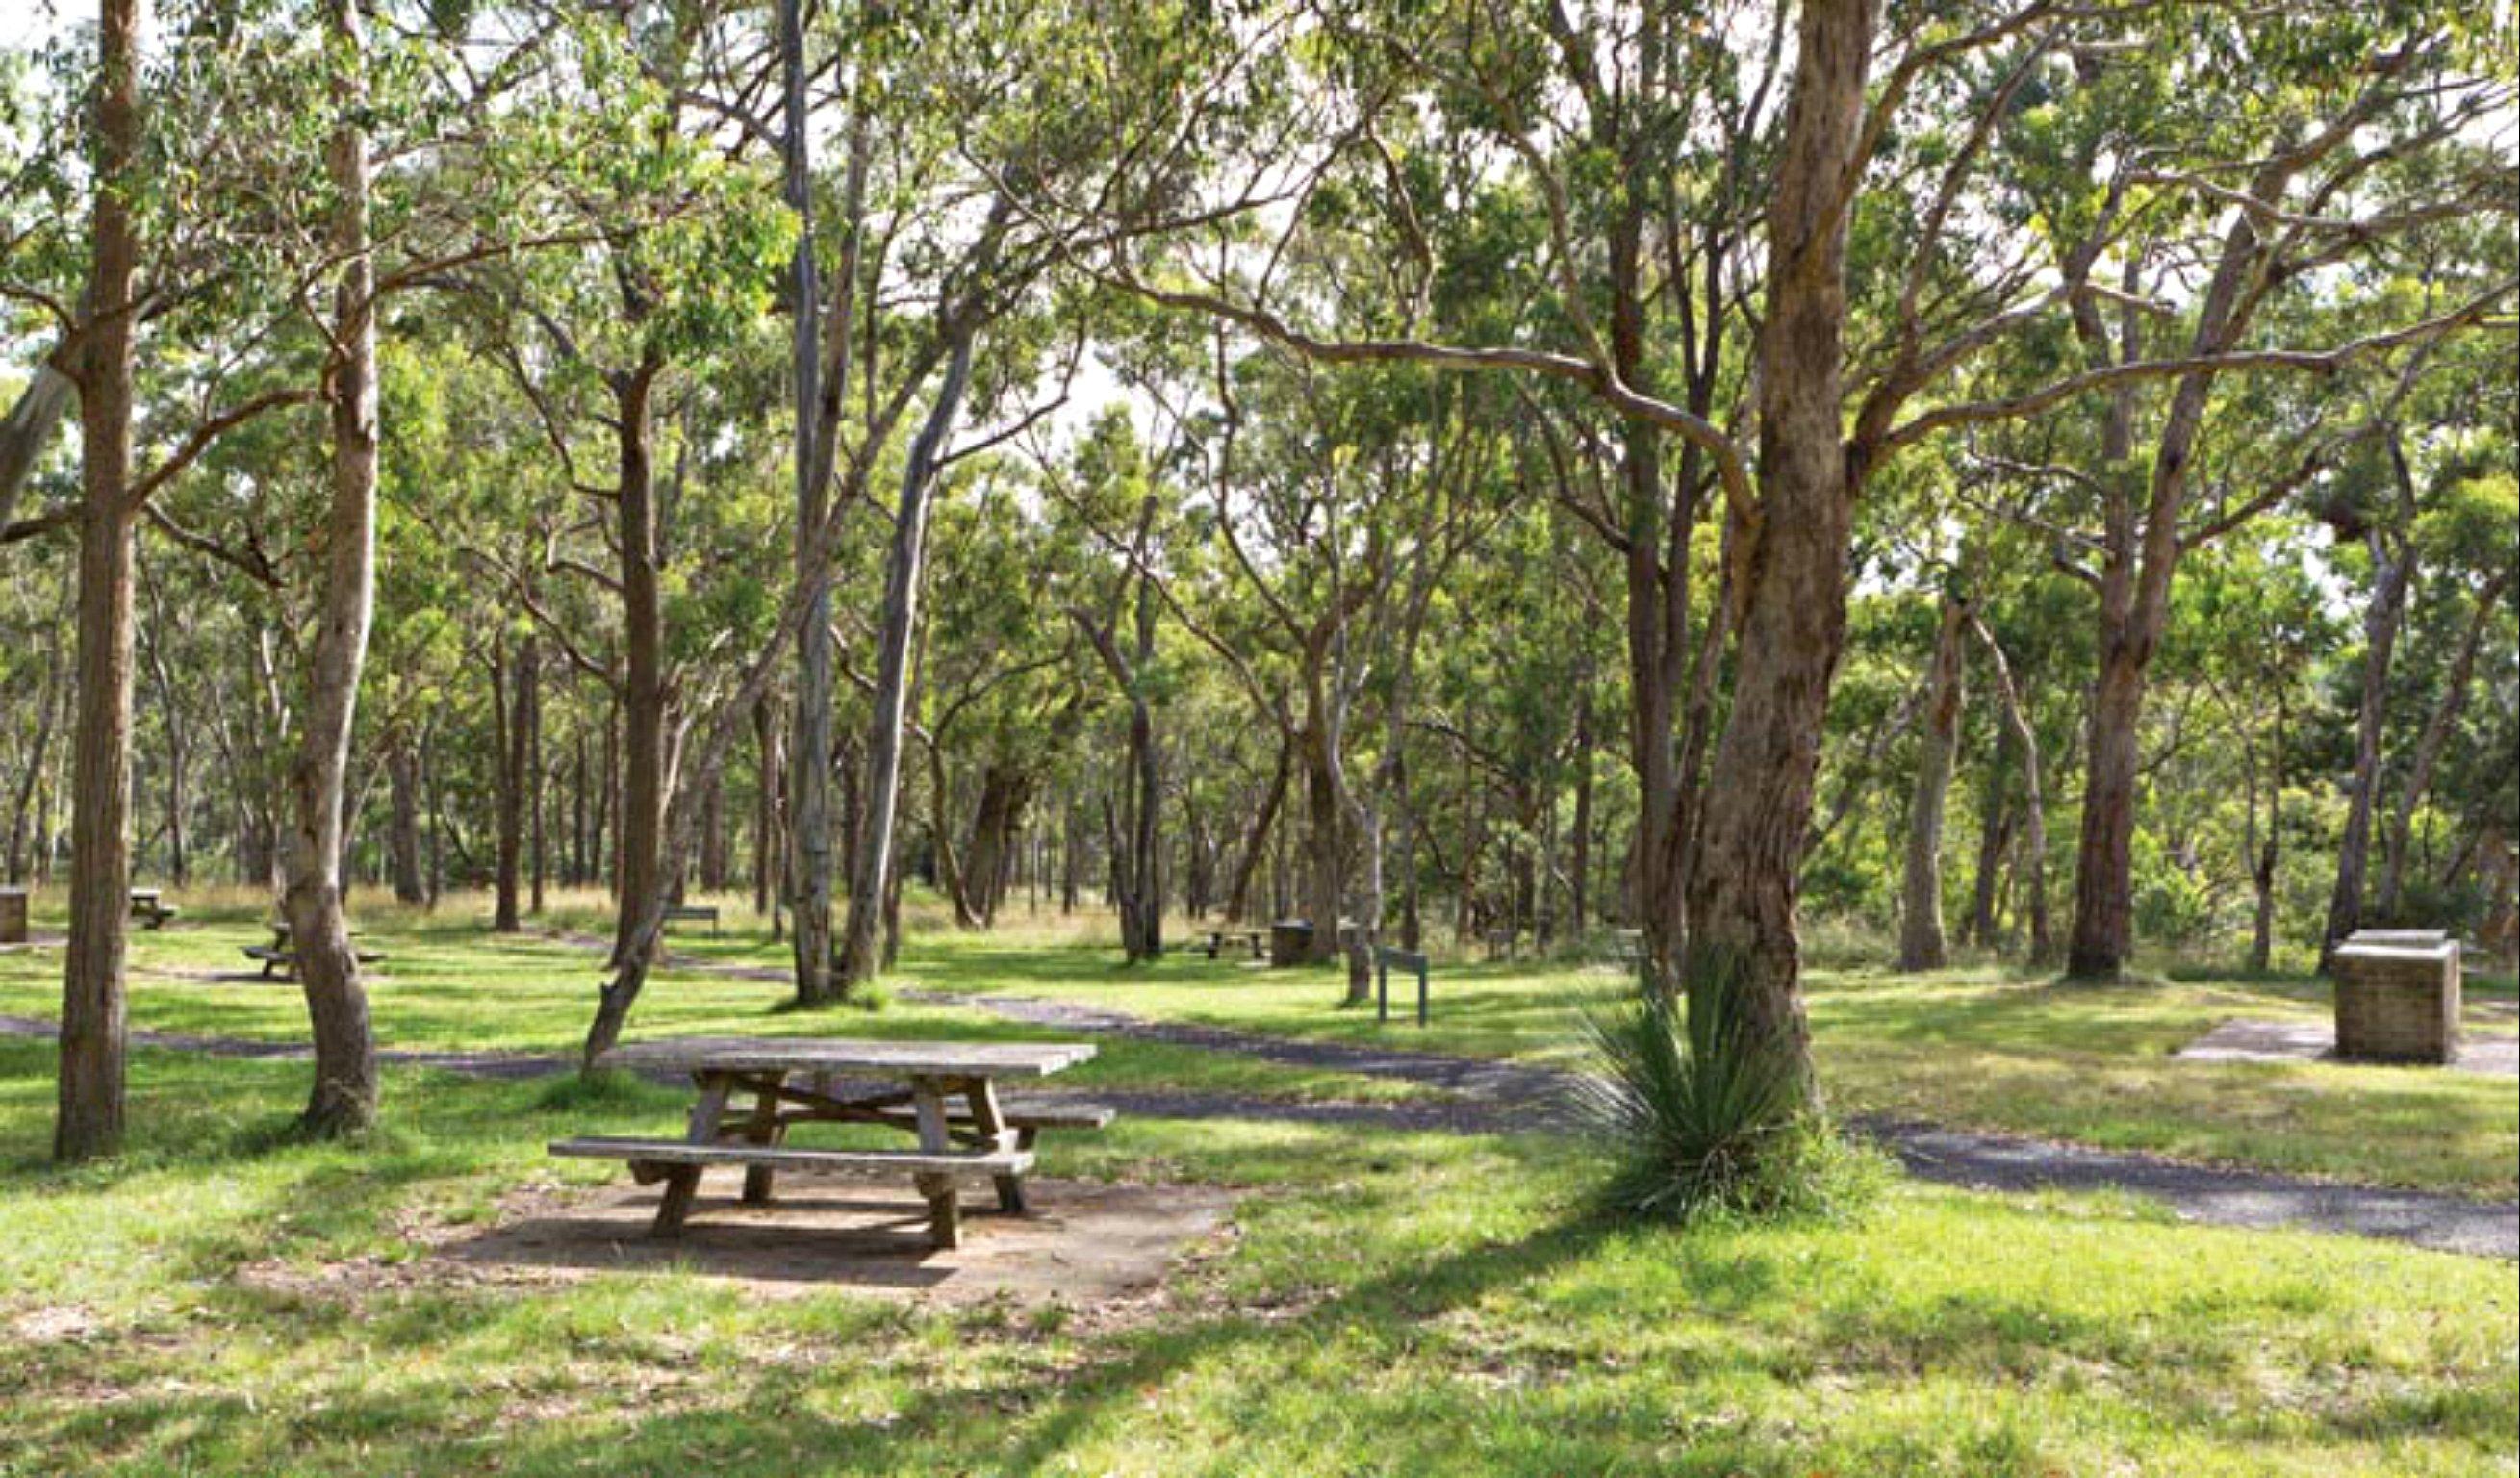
pixel 161 267
pixel 2421 498
pixel 1000 691
pixel 2202 183
pixel 1905 153
pixel 2254 624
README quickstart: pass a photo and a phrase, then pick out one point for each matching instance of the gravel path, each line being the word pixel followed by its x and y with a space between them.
pixel 1487 1097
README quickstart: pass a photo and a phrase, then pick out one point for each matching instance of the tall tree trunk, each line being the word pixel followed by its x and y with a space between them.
pixel 508 739
pixel 1757 807
pixel 1922 945
pixel 1255 841
pixel 1993 830
pixel 644 695
pixel 1579 882
pixel 92 1027
pixel 2428 747
pixel 768 847
pixel 532 696
pixel 2264 850
pixel 39 756
pixel 343 1097
pixel 402 835
pixel 1324 839
pixel 871 868
pixel 812 869
pixel 2024 741
pixel 2393 570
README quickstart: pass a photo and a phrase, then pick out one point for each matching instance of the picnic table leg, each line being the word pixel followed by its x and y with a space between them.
pixel 764 1128
pixel 944 1207
pixel 683 1181
pixel 944 1211
pixel 682 1187
pixel 991 1126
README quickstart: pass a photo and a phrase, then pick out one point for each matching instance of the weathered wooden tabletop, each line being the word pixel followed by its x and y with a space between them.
pixel 842 1054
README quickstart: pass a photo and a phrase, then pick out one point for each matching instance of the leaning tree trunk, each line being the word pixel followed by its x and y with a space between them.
pixel 345 1093
pixel 1742 891
pixel 2392 572
pixel 28 430
pixel 871 868
pixel 90 1100
pixel 1922 945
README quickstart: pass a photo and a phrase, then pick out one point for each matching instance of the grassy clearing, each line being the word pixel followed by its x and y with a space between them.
pixel 222 1303
pixel 1983 1046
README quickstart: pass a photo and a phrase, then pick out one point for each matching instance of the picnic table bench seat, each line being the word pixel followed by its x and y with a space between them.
pixel 276 958
pixel 692 912
pixel 1254 940
pixel 679 1163
pixel 1029 1117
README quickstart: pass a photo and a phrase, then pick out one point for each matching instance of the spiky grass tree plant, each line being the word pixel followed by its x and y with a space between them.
pixel 1694 1120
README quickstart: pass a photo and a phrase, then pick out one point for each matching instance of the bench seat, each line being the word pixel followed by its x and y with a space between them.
pixel 777 1157
pixel 1029 1117
pixel 276 959
pixel 679 1162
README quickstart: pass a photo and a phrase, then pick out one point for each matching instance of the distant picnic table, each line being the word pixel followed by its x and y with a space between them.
pixel 278 959
pixel 149 906
pixel 1257 940
pixel 753 1090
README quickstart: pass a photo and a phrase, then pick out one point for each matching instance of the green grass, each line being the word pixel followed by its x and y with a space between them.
pixel 218 1302
pixel 222 1300
pixel 1985 1047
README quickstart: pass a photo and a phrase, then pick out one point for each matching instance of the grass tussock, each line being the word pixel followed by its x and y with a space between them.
pixel 1696 1122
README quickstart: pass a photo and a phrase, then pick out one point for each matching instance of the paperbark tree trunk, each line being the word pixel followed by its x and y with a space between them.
pixel 89 1120
pixel 343 1097
pixel 1921 944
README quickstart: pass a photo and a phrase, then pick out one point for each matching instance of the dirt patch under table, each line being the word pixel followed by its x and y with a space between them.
pixel 1082 1244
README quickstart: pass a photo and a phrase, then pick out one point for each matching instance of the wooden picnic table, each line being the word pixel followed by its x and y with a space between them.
pixel 146 904
pixel 753 1090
